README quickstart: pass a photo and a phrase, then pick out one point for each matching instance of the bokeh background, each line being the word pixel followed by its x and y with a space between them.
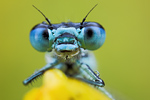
pixel 124 59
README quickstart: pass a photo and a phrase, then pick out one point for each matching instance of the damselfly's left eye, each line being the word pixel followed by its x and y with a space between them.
pixel 93 37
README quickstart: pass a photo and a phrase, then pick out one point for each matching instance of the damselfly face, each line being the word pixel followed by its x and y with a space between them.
pixel 66 39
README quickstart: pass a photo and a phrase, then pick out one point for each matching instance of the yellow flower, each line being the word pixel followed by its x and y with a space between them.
pixel 56 86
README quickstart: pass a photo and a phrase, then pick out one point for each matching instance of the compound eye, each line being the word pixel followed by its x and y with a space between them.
pixel 94 37
pixel 40 39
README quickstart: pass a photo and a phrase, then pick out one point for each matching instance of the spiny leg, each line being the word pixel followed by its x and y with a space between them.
pixel 89 76
pixel 39 72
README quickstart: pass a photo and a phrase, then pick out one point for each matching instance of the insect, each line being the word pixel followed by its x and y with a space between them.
pixel 68 45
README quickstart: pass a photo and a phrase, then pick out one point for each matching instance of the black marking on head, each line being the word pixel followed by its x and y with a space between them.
pixel 40 26
pixel 69 24
pixel 66 35
pixel 76 25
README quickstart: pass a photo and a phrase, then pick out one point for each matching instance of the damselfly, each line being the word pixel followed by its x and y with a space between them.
pixel 68 45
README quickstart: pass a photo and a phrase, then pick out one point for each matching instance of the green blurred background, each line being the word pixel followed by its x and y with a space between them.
pixel 123 59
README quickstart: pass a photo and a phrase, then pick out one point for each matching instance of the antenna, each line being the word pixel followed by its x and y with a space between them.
pixel 86 16
pixel 44 16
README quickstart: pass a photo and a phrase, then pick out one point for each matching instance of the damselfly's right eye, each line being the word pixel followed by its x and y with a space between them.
pixel 41 39
pixel 92 36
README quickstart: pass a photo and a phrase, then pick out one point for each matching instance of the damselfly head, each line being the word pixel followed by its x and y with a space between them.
pixel 66 39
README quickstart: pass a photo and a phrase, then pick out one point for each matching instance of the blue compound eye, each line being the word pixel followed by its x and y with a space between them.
pixel 41 39
pixel 94 37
